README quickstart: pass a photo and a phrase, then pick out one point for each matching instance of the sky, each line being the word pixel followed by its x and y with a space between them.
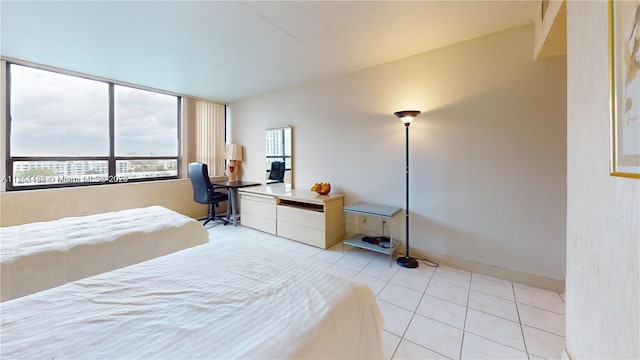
pixel 60 115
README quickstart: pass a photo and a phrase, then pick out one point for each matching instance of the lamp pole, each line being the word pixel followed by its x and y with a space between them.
pixel 407 116
pixel 406 187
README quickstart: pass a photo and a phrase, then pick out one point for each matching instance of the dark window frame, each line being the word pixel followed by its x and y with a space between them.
pixel 112 177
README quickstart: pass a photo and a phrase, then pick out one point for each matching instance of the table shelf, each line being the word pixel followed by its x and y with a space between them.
pixel 356 241
pixel 382 211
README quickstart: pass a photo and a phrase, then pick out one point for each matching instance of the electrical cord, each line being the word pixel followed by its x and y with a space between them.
pixel 428 262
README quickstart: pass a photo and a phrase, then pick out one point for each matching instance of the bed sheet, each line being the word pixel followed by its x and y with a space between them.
pixel 38 256
pixel 226 299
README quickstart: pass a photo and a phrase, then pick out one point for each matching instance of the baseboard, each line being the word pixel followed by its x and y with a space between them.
pixel 494 271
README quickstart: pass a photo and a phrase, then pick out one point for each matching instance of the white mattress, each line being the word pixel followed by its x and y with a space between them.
pixel 38 256
pixel 221 300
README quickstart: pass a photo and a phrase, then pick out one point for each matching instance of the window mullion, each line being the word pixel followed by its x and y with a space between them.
pixel 112 132
pixel 179 133
pixel 8 161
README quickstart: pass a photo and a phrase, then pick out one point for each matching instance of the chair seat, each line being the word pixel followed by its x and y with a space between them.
pixel 218 196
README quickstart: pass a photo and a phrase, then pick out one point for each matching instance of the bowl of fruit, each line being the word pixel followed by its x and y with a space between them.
pixel 321 188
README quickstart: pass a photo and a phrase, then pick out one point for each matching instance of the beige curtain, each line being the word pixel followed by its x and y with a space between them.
pixel 209 119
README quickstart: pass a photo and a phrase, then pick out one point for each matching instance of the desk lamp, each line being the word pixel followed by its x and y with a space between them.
pixel 233 154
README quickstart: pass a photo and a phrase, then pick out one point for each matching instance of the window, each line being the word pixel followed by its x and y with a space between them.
pixel 145 126
pixel 64 130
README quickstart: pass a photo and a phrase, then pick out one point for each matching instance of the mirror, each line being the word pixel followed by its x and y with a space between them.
pixel 278 155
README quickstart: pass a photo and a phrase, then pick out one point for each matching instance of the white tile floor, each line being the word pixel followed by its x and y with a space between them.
pixel 440 313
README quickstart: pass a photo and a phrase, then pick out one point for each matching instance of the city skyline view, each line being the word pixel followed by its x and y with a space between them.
pixel 27 173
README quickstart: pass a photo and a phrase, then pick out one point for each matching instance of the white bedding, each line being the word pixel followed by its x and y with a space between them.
pixel 226 299
pixel 42 255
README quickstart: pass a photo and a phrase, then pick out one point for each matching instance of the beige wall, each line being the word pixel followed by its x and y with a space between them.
pixel 488 154
pixel 603 222
pixel 19 207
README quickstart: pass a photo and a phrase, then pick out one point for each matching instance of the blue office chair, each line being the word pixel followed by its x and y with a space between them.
pixel 204 192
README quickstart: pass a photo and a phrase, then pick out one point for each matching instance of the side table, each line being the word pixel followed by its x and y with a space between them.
pixel 382 211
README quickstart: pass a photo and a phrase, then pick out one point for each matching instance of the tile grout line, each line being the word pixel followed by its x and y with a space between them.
pixel 466 313
pixel 483 311
pixel 405 330
pixel 490 314
pixel 543 330
pixel 492 340
pixel 497 342
pixel 433 351
pixel 544 292
pixel 387 282
pixel 543 309
pixel 524 340
pixel 413 316
pixel 492 295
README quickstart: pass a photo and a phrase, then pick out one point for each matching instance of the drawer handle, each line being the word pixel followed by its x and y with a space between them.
pixel 257 196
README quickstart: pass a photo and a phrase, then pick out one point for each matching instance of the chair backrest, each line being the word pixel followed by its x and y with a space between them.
pixel 199 176
pixel 277 171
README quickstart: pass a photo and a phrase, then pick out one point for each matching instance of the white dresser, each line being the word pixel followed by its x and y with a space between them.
pixel 296 214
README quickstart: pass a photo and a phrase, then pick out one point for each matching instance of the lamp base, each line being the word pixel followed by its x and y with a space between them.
pixel 232 170
pixel 407 262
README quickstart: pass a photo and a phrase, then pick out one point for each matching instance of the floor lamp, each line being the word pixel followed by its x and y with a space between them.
pixel 406 116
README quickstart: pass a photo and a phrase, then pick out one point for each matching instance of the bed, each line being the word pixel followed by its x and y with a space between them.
pixel 38 256
pixel 226 299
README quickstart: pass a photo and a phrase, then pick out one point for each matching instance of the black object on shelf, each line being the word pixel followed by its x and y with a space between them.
pixel 382 241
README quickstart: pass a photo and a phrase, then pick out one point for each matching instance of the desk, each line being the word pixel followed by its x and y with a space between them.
pixel 232 188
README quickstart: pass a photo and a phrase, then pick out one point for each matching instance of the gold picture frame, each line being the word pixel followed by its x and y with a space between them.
pixel 624 64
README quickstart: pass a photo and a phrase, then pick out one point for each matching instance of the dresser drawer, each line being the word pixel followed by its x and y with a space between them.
pixel 259 223
pixel 307 218
pixel 302 234
pixel 258 198
pixel 258 206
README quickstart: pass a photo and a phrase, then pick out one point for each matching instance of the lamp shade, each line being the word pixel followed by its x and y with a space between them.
pixel 233 152
pixel 407 116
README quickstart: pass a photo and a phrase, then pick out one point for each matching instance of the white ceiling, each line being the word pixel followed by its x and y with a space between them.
pixel 228 51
